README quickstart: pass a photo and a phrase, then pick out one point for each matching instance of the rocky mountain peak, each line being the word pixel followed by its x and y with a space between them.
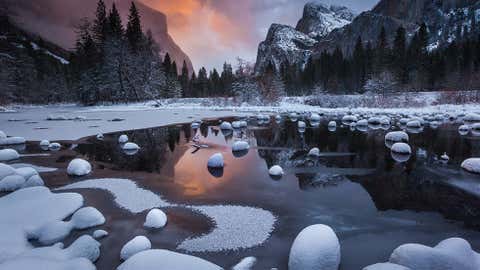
pixel 319 19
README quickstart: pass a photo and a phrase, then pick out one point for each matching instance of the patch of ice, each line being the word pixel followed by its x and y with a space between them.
pixel 236 227
pixel 134 246
pixel 126 192
pixel 315 247
pixel 215 161
pixel 155 219
pixel 79 167
pixel 154 258
pixel 8 155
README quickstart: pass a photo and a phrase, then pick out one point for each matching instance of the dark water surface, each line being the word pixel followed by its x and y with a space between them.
pixel 373 203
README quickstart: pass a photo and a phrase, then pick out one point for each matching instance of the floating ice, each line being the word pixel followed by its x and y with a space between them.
pixel 79 167
pixel 134 246
pixel 154 258
pixel 471 165
pixel 315 247
pixel 236 227
pixel 126 192
pixel 216 161
pixel 155 219
pixel 123 139
pixel 8 155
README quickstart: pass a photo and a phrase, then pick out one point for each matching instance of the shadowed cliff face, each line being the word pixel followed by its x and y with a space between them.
pixel 56 21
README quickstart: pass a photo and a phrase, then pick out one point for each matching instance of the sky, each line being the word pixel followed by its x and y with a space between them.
pixel 214 31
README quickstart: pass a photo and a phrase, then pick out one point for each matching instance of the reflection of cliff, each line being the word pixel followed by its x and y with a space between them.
pixel 157 152
pixel 417 191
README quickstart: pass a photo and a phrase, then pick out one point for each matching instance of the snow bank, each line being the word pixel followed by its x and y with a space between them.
pixel 275 171
pixel 236 227
pixel 471 165
pixel 126 193
pixel 240 146
pixel 156 259
pixel 215 161
pixel 30 208
pixel 8 155
pixel 12 140
pixel 245 264
pixel 134 246
pixel 79 167
pixel 155 219
pixel 12 179
pixel 315 247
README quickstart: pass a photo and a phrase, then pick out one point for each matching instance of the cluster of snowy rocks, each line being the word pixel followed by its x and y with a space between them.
pixel 12 179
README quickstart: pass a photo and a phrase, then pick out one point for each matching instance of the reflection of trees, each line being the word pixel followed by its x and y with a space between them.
pixel 155 144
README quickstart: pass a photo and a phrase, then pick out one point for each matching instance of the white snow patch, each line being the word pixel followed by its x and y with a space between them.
pixel 245 264
pixel 12 140
pixel 134 246
pixel 79 167
pixel 471 165
pixel 8 155
pixel 315 247
pixel 155 258
pixel 155 219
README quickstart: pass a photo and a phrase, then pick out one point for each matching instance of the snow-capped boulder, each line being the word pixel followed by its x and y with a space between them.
pixel 8 154
pixel 195 125
pixel 33 181
pixel 97 234
pixel 240 146
pixel 444 158
pixel 278 118
pixel 315 117
pixel 450 254
pixel 129 146
pixel 315 247
pixel 301 126
pixel 215 161
pixel 386 266
pixel 12 141
pixel 314 152
pixel 349 119
pixel 11 182
pixel 471 118
pixel 476 129
pixel 395 137
pixel 155 258
pixel 134 246
pixel 155 219
pixel 100 137
pixel 332 126
pixel 463 130
pixel 6 170
pixel 471 165
pixel 79 167
pixel 245 264
pixel 87 217
pixel 414 124
pixel 293 117
pixel 275 171
pixel 401 148
pixel 225 125
pixel 44 144
pixel 12 179
pixel 123 139
pixel 54 146
pixel 362 123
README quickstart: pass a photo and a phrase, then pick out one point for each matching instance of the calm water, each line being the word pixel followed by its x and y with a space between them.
pixel 373 203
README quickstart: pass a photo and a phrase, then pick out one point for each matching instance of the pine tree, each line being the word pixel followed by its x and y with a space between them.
pixel 359 65
pixel 115 23
pixel 167 63
pixel 184 80
pixel 399 55
pixel 100 24
pixel 134 32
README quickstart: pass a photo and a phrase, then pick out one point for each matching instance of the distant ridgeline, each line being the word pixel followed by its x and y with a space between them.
pixel 110 64
pixel 400 45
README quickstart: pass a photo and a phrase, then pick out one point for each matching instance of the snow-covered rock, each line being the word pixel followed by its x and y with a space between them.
pixel 87 217
pixel 414 124
pixel 216 161
pixel 44 144
pixel 293 116
pixel 156 259
pixel 349 119
pixel 471 165
pixel 301 126
pixel 275 171
pixel 79 167
pixel 471 118
pixel 450 254
pixel 12 182
pixel 123 139
pixel 155 219
pixel 226 126
pixel 97 234
pixel 240 146
pixel 8 155
pixel 245 264
pixel 12 179
pixel 401 148
pixel 314 152
pixel 315 117
pixel 195 125
pixel 54 146
pixel 315 247
pixel 12 140
pixel 386 266
pixel 476 129
pixel 395 137
pixel 332 124
pixel 134 246
pixel 444 158
pixel 129 146
pixel 100 137
pixel 463 130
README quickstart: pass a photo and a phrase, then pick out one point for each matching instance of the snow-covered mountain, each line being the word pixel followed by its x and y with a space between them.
pixel 320 19
pixel 287 45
